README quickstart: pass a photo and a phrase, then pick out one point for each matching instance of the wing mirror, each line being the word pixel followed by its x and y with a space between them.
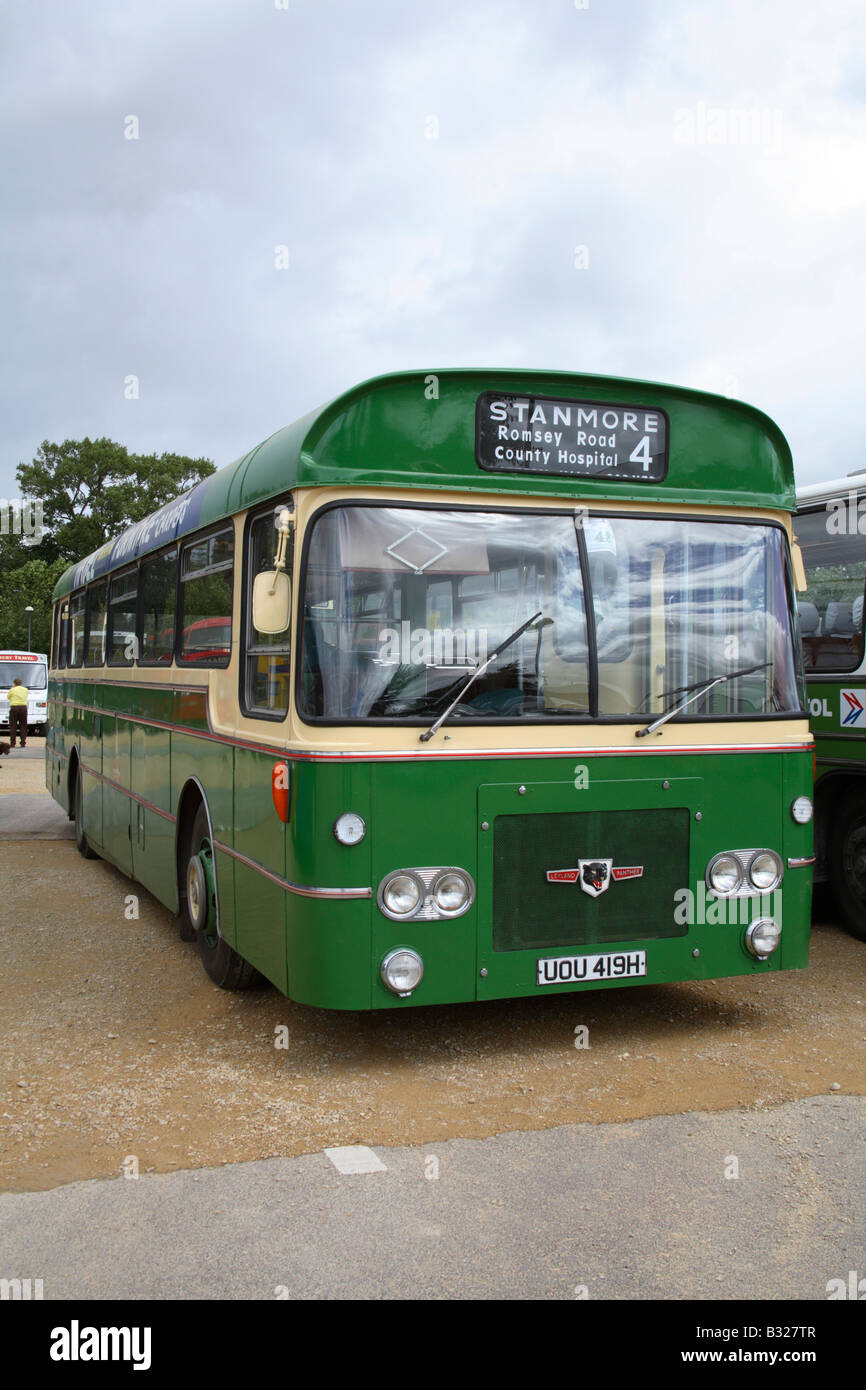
pixel 272 589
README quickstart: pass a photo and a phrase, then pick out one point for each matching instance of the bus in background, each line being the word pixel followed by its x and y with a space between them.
pixel 467 685
pixel 32 670
pixel 831 531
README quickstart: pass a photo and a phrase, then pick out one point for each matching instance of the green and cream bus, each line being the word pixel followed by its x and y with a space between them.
pixel 467 685
pixel 831 530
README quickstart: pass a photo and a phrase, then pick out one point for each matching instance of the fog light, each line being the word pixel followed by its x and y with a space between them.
pixel 401 895
pixel 402 971
pixel 763 937
pixel 349 829
pixel 765 870
pixel 801 810
pixel 724 874
pixel 452 893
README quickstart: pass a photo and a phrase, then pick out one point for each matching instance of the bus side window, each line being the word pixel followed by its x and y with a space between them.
pixel 158 585
pixel 831 610
pixel 122 606
pixel 267 656
pixel 207 583
pixel 58 645
pixel 96 616
pixel 76 629
pixel 64 635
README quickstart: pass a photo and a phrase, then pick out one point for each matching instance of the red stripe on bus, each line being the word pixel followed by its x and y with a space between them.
pixel 298 888
pixel 300 755
pixel 100 777
pixel 303 890
pixel 578 752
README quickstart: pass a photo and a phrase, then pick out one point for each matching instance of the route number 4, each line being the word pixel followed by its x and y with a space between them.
pixel 641 454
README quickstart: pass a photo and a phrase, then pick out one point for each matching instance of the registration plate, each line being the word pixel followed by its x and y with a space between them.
pixel 614 965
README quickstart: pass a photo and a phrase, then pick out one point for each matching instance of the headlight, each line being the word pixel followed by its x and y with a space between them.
pixel 763 937
pixel 452 892
pixel 349 828
pixel 402 971
pixel 401 895
pixel 765 870
pixel 425 895
pixel 801 810
pixel 724 874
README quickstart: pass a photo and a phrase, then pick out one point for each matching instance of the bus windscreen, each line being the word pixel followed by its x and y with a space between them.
pixel 32 674
pixel 401 605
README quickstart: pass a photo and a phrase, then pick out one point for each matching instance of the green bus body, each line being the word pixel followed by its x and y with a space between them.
pixel 135 750
pixel 831 528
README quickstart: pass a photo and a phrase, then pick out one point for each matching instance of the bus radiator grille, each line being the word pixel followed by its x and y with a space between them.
pixel 530 911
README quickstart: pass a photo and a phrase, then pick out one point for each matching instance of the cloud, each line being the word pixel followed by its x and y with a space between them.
pixel 431 171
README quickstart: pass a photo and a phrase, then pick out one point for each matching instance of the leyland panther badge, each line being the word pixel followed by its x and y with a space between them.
pixel 595 875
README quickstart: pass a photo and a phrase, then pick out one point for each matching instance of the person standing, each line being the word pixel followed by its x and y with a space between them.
pixel 18 712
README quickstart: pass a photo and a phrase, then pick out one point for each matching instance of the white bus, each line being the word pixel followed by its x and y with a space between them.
pixel 32 669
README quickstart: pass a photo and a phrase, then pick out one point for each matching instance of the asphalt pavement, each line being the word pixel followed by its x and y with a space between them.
pixel 25 815
pixel 739 1205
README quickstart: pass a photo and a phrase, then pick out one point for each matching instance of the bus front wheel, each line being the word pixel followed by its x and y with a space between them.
pixel 200 916
pixel 848 863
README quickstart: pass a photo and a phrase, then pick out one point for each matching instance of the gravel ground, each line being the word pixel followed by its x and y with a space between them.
pixel 21 772
pixel 114 1042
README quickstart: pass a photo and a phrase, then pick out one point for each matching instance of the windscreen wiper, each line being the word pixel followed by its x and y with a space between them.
pixel 700 688
pixel 479 671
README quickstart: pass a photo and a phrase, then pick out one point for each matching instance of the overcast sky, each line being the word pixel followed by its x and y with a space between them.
pixel 663 189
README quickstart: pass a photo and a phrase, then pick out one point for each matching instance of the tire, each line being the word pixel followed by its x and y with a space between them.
pixel 186 930
pixel 80 838
pixel 199 919
pixel 848 862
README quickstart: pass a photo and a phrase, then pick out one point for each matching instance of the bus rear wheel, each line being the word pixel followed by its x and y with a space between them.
pixel 848 863
pixel 199 914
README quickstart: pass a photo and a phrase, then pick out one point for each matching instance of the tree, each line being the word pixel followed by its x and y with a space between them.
pixel 31 583
pixel 91 490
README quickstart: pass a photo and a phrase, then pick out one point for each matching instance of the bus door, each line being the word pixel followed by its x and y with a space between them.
pixel 90 748
pixel 153 826
pixel 116 777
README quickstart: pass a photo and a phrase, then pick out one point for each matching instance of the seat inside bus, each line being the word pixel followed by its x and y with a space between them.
pixel 836 641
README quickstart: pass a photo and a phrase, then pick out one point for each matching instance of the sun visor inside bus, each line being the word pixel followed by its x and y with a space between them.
pixel 410 541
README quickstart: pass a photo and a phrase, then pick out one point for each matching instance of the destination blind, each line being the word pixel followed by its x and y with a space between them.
pixel 584 439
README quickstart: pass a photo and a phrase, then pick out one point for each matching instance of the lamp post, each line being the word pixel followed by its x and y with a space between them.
pixel 28 610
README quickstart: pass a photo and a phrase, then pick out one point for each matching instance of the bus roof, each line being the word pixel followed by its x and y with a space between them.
pixel 418 429
pixel 834 487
